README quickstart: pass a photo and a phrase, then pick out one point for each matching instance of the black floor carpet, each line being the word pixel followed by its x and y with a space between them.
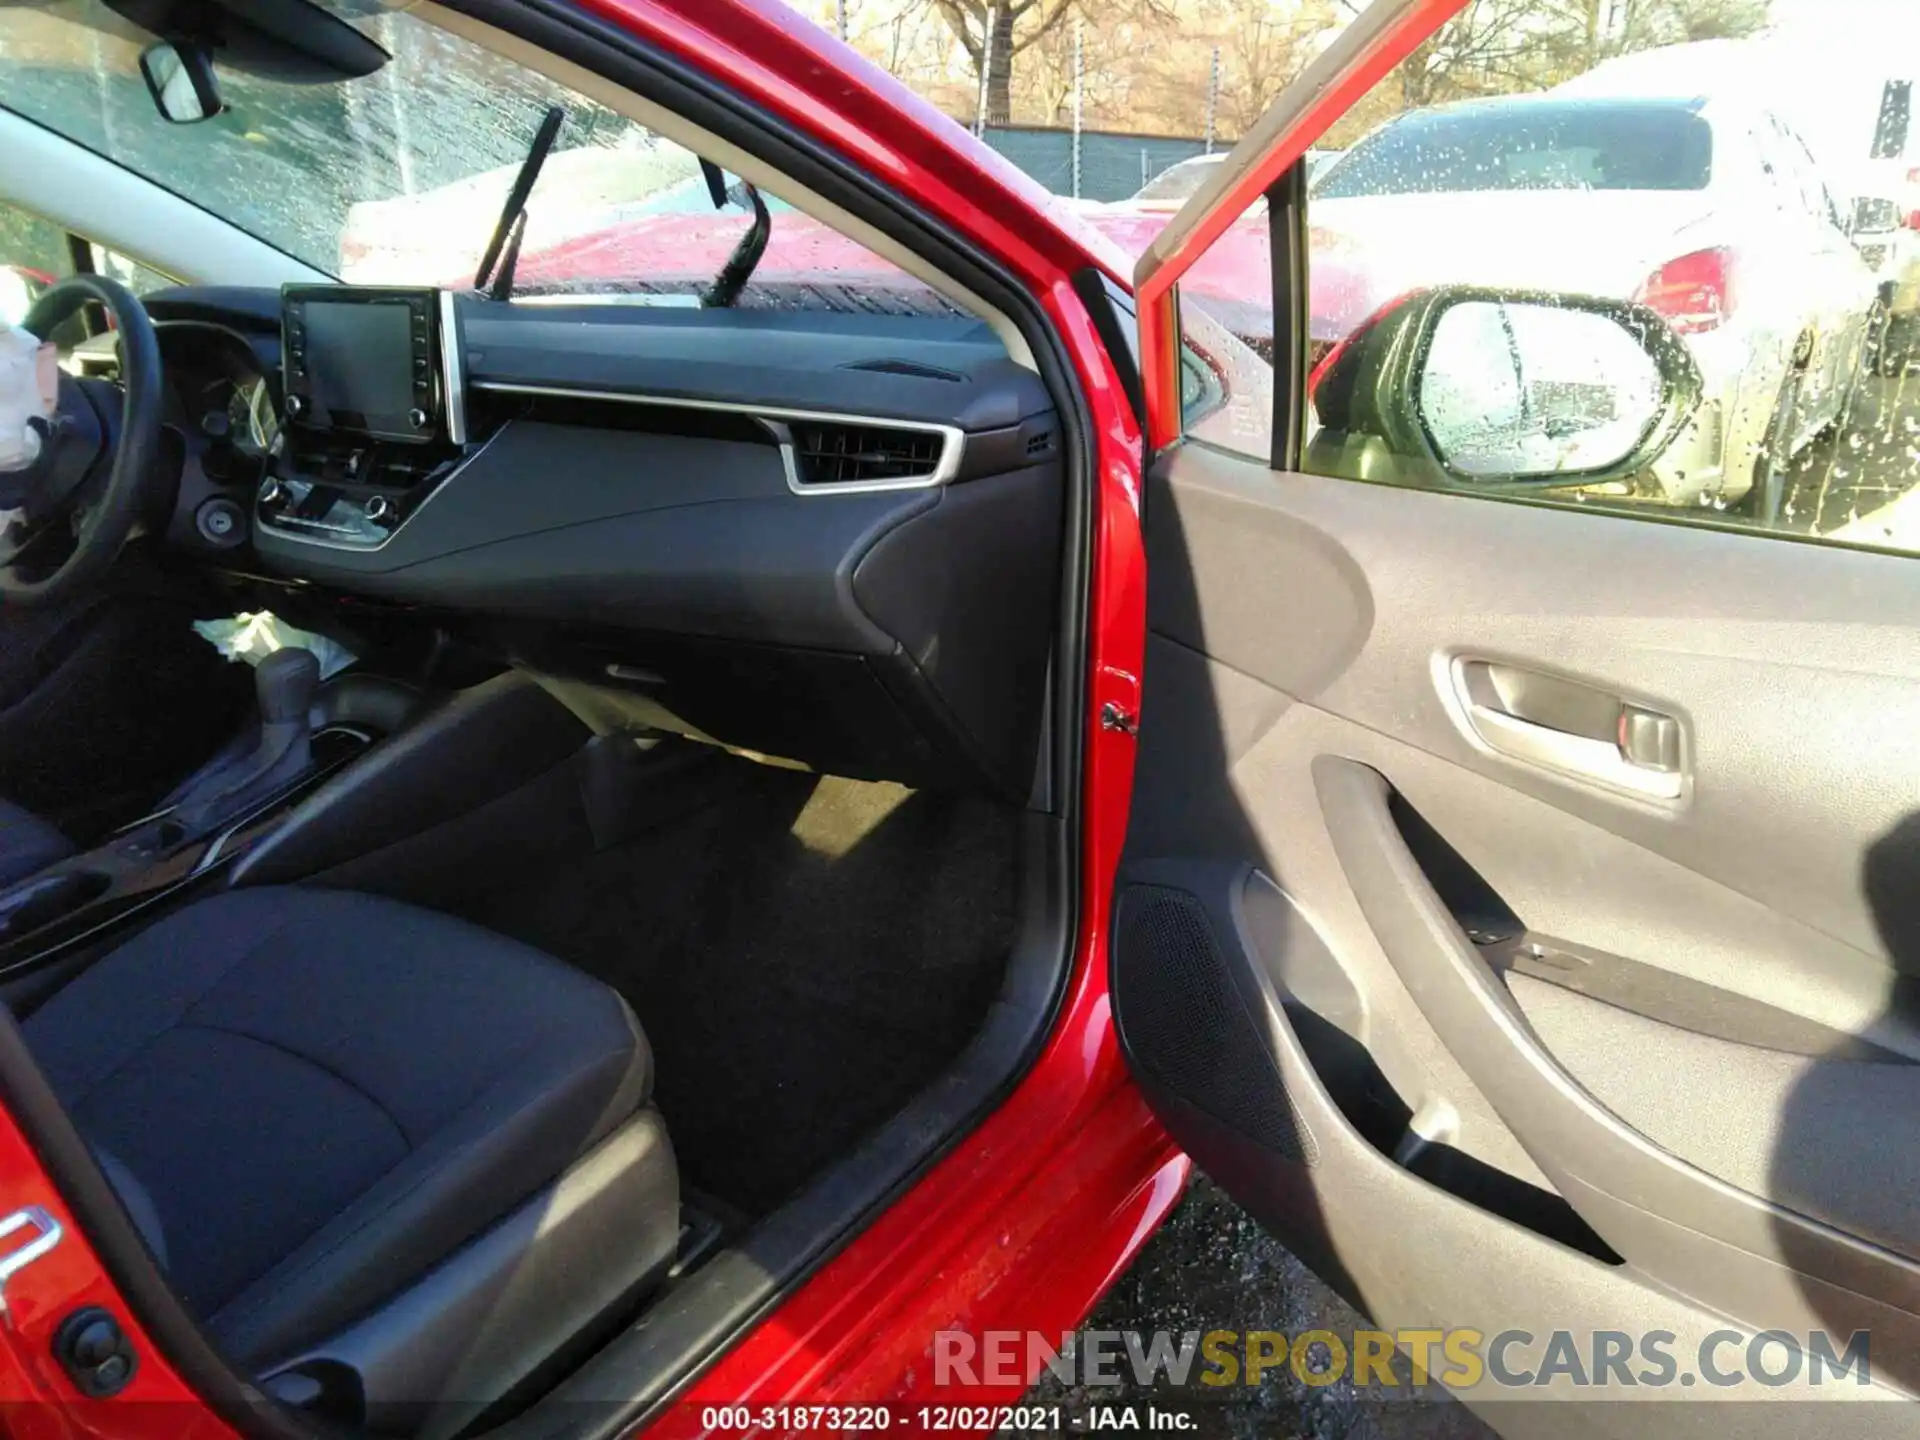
pixel 804 953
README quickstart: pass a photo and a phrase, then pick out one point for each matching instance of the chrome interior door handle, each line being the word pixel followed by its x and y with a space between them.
pixel 1572 728
pixel 1597 760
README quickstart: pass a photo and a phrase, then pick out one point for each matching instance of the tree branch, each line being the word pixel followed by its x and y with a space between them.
pixel 957 13
pixel 1048 20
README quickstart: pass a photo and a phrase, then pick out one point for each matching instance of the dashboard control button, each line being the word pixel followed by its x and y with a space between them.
pixel 296 405
pixel 382 511
pixel 418 418
pixel 272 493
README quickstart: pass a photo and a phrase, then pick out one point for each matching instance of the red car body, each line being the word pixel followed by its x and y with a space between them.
pixel 1233 281
pixel 1032 1215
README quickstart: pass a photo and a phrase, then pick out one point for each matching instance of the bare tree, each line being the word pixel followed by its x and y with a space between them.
pixel 900 34
pixel 1647 23
pixel 1016 25
pixel 1588 32
pixel 1500 47
pixel 1118 75
pixel 1263 48
pixel 1491 47
pixel 1148 61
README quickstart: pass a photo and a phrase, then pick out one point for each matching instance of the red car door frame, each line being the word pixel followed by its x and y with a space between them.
pixel 1028 1219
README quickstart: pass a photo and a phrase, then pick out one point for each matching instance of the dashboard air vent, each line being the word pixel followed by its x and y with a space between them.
pixel 842 453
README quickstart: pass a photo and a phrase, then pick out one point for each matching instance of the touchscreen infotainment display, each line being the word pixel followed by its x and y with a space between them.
pixel 363 362
pixel 361 359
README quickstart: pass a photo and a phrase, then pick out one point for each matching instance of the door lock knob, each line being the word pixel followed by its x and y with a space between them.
pixel 96 1352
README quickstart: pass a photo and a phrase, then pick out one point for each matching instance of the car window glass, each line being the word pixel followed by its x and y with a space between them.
pixel 1176 182
pixel 1821 196
pixel 1569 282
pixel 1226 320
pixel 140 279
pixel 1478 149
pixel 398 177
pixel 1800 169
pixel 1776 176
pixel 30 243
pixel 34 253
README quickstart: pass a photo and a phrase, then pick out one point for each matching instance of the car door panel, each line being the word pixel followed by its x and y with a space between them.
pixel 1352 597
pixel 1610 1173
pixel 1508 964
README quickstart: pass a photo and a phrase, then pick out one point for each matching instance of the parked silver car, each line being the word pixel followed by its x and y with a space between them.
pixel 1709 211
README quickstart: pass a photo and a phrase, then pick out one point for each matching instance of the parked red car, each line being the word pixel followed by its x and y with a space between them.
pixel 776 826
pixel 677 251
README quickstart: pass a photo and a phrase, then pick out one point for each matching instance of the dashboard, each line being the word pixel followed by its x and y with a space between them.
pixel 833 538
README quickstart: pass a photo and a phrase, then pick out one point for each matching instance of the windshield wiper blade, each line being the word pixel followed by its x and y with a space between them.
pixel 733 276
pixel 513 216
pixel 503 282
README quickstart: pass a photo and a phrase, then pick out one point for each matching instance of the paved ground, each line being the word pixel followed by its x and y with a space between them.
pixel 1211 1267
pixel 1852 485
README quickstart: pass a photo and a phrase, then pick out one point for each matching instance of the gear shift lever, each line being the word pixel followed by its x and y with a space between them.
pixel 283 686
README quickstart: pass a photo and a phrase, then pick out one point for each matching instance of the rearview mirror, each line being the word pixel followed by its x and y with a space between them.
pixel 180 78
pixel 1469 387
pixel 1873 215
pixel 298 42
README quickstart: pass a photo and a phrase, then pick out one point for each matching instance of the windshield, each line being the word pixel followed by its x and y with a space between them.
pixel 399 177
pixel 1569 145
pixel 1177 182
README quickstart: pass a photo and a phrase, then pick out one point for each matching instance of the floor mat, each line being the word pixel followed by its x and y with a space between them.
pixel 805 954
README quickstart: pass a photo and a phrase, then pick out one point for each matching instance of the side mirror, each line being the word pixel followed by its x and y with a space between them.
pixel 1873 216
pixel 180 78
pixel 1465 387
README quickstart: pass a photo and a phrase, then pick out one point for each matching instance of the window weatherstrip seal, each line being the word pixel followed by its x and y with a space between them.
pixel 1292 314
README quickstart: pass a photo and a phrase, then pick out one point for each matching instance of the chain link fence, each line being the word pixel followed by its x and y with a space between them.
pixel 1112 165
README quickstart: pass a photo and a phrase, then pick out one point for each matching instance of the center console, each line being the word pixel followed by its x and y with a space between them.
pixel 66 906
pixel 375 411
pixel 399 792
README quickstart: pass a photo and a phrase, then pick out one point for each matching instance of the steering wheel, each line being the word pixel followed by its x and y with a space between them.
pixel 87 486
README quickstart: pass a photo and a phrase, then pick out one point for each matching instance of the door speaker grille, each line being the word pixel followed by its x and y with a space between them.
pixel 1177 1009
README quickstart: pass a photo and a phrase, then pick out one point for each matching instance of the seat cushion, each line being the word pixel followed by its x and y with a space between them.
pixel 27 844
pixel 321 1094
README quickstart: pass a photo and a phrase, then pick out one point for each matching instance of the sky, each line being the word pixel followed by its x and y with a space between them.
pixel 1853 29
pixel 1824 65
